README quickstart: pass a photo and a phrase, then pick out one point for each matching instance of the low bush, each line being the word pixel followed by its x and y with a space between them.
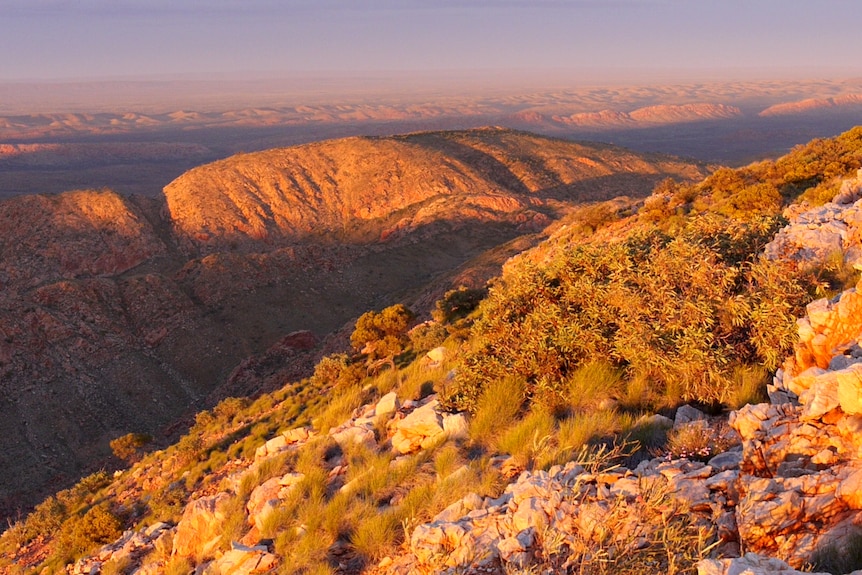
pixel 680 311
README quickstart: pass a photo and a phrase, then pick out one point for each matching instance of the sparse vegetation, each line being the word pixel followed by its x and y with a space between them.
pixel 557 362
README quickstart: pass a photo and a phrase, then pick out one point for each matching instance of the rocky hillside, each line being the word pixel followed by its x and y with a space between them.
pixel 123 315
pixel 375 476
pixel 540 426
pixel 363 190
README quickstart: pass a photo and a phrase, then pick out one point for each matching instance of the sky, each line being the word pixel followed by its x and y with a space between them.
pixel 106 39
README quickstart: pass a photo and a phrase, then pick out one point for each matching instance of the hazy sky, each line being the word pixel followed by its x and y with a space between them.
pixel 42 39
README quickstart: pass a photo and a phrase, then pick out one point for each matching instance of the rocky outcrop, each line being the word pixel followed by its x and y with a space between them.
pixel 817 235
pixel 129 549
pixel 199 532
pixel 828 339
pixel 812 105
pixel 560 517
pixel 749 564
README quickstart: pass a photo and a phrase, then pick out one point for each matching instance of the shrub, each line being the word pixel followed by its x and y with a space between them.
pixel 680 311
pixel 427 335
pixel 78 535
pixel 594 216
pixel 383 334
pixel 457 304
pixel 229 407
pixel 697 440
pixel 337 370
pixel 129 447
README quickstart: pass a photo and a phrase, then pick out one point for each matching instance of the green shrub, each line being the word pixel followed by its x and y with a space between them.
pixel 228 408
pixel 697 441
pixel 457 304
pixel 595 216
pixel 337 370
pixel 383 334
pixel 79 535
pixel 129 447
pixel 680 311
pixel 428 335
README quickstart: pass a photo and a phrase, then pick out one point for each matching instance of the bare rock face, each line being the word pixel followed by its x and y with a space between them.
pixel 800 470
pixel 199 531
pixel 828 336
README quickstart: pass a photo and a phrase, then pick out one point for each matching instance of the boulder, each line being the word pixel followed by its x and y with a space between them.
pixel 354 436
pixel 455 426
pixel 199 531
pixel 424 421
pixel 420 429
pixel 386 405
pixel 436 355
pixel 850 490
pixel 850 389
pixel 749 564
pixel 242 560
pixel 687 414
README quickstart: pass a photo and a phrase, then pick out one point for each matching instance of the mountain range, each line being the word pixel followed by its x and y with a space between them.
pixel 128 314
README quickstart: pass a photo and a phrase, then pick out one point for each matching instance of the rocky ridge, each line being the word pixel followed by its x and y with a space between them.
pixel 650 115
pixel 785 496
pixel 340 191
